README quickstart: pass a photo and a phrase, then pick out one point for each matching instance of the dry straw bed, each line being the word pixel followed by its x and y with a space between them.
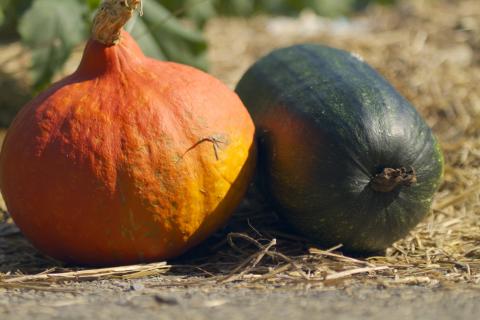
pixel 430 50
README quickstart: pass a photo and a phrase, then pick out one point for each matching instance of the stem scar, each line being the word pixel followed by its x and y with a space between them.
pixel 389 179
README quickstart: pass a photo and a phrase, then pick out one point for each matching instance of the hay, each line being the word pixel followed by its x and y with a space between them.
pixel 124 272
pixel 431 52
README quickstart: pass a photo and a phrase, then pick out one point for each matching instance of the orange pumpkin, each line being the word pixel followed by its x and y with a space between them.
pixel 129 159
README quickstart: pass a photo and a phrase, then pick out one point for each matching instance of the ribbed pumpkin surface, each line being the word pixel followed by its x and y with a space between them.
pixel 127 160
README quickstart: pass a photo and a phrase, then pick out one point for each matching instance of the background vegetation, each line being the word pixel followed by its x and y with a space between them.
pixel 51 29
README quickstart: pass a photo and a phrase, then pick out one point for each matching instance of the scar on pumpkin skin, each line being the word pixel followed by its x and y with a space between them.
pixel 215 142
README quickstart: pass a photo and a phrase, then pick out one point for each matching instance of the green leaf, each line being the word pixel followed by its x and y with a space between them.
pixel 332 8
pixel 236 7
pixel 10 11
pixel 200 11
pixel 3 8
pixel 162 36
pixel 52 28
pixel 197 10
pixel 93 4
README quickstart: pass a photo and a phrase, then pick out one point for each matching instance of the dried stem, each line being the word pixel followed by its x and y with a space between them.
pixel 389 179
pixel 110 19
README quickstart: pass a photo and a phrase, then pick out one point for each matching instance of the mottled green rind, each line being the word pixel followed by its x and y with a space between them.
pixel 348 123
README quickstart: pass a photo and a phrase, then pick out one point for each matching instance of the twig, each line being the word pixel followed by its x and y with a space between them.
pixel 338 256
pixel 345 274
pixel 255 259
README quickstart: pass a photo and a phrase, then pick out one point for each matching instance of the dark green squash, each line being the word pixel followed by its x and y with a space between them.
pixel 343 155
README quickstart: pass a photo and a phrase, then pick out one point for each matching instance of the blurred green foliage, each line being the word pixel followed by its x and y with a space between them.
pixel 200 11
pixel 52 34
pixel 10 12
pixel 53 28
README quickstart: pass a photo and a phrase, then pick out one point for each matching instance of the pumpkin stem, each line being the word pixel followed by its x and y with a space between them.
pixel 389 179
pixel 111 17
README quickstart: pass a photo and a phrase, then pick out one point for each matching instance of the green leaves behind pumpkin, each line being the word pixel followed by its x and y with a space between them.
pixel 201 10
pixel 51 29
pixel 3 7
pixel 93 4
pixel 162 36
pixel 10 12
pixel 198 11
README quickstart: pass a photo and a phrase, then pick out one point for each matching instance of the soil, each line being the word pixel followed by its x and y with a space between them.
pixel 142 300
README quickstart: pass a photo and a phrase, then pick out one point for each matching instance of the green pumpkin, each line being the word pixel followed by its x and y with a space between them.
pixel 343 156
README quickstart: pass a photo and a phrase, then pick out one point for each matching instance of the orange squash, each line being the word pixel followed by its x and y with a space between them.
pixel 129 159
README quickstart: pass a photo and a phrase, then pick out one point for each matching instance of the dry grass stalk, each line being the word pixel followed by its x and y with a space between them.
pixel 128 272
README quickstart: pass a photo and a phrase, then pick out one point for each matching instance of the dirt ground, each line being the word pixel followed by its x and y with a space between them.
pixel 430 50
pixel 148 300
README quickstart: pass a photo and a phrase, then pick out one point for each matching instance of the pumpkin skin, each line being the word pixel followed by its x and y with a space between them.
pixel 329 128
pixel 127 160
